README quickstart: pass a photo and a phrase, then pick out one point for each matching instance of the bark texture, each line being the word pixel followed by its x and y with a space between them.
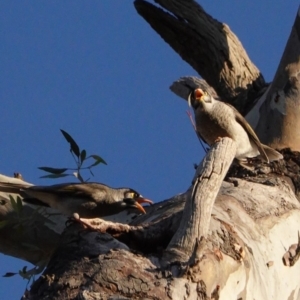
pixel 279 114
pixel 209 46
pixel 241 255
pixel 196 217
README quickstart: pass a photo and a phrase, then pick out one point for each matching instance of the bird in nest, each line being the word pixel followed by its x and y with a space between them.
pixel 216 119
pixel 88 200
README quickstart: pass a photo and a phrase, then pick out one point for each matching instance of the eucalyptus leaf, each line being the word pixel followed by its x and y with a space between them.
pixel 71 141
pixel 53 170
pixel 9 274
pixel 14 204
pixel 82 156
pixel 98 160
pixel 55 176
pixel 19 204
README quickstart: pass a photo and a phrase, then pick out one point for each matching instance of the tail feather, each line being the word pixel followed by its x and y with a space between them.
pixel 14 188
pixel 272 153
pixel 35 201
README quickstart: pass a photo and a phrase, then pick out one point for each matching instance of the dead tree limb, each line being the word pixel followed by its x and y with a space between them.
pixel 209 46
pixel 279 117
pixel 196 217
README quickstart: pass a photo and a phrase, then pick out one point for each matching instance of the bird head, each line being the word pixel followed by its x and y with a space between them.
pixel 132 203
pixel 134 199
pixel 199 97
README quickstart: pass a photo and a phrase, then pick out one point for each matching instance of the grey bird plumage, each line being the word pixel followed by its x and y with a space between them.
pixel 89 200
pixel 216 119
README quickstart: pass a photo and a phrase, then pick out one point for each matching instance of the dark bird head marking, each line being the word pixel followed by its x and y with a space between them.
pixel 132 203
pixel 133 199
pixel 131 194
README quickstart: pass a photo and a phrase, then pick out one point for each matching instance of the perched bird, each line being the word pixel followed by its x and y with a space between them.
pixel 89 200
pixel 216 119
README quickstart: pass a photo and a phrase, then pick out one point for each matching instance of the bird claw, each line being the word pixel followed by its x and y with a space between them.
pixel 70 221
pixel 94 224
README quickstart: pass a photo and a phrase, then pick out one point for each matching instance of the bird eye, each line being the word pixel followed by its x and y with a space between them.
pixel 129 195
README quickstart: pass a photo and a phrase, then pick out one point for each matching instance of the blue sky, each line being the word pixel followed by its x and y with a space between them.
pixel 97 70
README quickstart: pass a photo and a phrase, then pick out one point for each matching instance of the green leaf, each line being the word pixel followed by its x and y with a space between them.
pixel 73 144
pixel 31 272
pixel 82 156
pixel 19 204
pixel 55 176
pixel 98 160
pixel 24 275
pixel 9 274
pixel 14 204
pixel 53 170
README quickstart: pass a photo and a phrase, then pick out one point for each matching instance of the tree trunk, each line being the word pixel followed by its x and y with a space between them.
pixel 279 114
pixel 232 235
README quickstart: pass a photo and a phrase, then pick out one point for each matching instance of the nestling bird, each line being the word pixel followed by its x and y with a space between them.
pixel 89 200
pixel 216 119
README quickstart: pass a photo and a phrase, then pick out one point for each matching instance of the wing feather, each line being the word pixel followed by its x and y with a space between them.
pixel 252 135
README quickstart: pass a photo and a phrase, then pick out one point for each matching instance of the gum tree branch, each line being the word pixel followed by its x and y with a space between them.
pixel 196 217
pixel 209 46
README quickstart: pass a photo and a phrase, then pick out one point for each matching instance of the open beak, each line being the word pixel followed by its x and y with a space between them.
pixel 198 94
pixel 139 207
pixel 143 200
pixel 140 200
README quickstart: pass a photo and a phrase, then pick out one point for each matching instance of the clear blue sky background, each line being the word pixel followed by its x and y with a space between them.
pixel 97 70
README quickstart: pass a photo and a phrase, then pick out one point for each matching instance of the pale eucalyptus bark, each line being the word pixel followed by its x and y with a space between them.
pixel 279 118
pixel 195 221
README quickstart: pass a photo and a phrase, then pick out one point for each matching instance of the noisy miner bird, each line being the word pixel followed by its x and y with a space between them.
pixel 216 119
pixel 88 200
